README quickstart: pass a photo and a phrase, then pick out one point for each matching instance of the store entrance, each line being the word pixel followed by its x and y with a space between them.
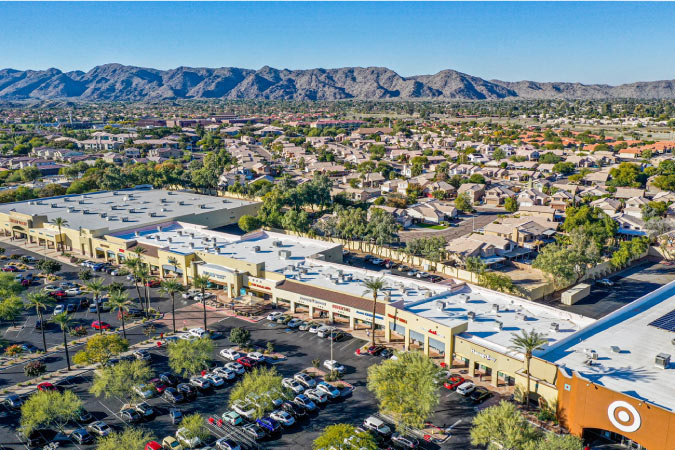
pixel 609 440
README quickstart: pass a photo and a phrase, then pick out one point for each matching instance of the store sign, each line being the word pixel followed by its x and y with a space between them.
pixel 436 333
pixel 396 318
pixel 624 416
pixel 483 355
pixel 19 222
pixel 311 300
pixel 258 283
pixel 369 315
pixel 342 308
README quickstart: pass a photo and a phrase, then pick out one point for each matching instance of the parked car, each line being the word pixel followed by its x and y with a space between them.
pixel 190 293
pixel 198 332
pixel 337 335
pixel 329 389
pixel 236 367
pixel 171 443
pixel 605 282
pixel 324 331
pixel 176 416
pixel 81 436
pixel 233 418
pixel 144 390
pixel 254 431
pixel 83 416
pixel 247 362
pixel 305 380
pixel 293 385
pixel 58 309
pixel 168 379
pixel 225 373
pixel 72 292
pixel 273 316
pixel 480 394
pixel 465 388
pixel 143 355
pixel 153 283
pixel 331 365
pixel 227 444
pixel 453 381
pixel 172 395
pixel 377 425
pixel 283 417
pixel 377 261
pixel 153 445
pixel 99 428
pixel 256 356
pixel 96 325
pixel 294 409
pixel 317 396
pixel 268 424
pixel 188 391
pixel 46 386
pixel 230 353
pixel 422 275
pixel 130 415
pixel 13 401
pixel 183 436
pixel 404 441
pixel 305 402
pixel 314 328
pixel 214 379
pixel 244 408
pixel 304 326
pixel 294 323
pixel 144 409
pixel 200 383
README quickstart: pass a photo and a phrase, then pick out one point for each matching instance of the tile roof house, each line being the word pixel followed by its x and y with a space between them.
pixel 496 196
pixel 475 191
pixel 609 206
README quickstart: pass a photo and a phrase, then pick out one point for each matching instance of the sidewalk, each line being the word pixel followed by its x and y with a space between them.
pixel 40 250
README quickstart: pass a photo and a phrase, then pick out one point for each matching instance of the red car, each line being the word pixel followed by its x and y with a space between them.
pixel 153 445
pixel 58 294
pixel 453 381
pixel 158 385
pixel 375 349
pixel 246 362
pixel 153 283
pixel 100 325
pixel 10 269
pixel 46 386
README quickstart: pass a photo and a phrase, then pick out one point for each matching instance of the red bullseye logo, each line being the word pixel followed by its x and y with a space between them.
pixel 624 416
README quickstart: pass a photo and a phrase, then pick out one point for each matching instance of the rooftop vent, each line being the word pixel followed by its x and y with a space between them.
pixel 202 206
pixel 162 200
pixel 170 239
pixel 256 248
pixel 615 349
pixel 152 214
pixel 662 360
pixel 126 198
pixel 125 219
pixel 81 202
pixel 555 327
pixel 170 193
pixel 463 298
pixel 440 304
pixel 192 245
pixel 284 254
pixel 592 354
pixel 471 315
pixel 521 316
pixel 136 233
pixel 54 205
pixel 115 193
pixel 276 243
pixel 499 325
pixel 429 294
pixel 103 214
pixel 181 203
pixel 159 228
pixel 226 201
pixel 495 308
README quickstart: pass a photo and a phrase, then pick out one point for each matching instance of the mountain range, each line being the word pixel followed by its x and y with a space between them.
pixel 116 82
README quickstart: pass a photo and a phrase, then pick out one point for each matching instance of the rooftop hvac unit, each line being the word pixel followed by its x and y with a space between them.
pixel 153 214
pixel 54 205
pixel 85 211
pixel 218 250
pixel 170 239
pixel 181 203
pixel 276 243
pixel 132 210
pixel 339 272
pixel 202 206
pixel 521 316
pixel 662 360
pixel 615 349
pixel 256 248
pixel 555 327
pixel 162 200
pixel 71 209
pixel 495 308
pixel 499 325
pixel 429 294
pixel 593 355
pixel 226 201
pixel 170 193
pixel 180 232
pixel 463 298
pixel 126 198
pixel 81 202
pixel 471 315
pixel 108 219
pixel 303 270
pixel 440 305
pixel 192 245
pixel 159 228
pixel 136 233
pixel 125 219
pixel 164 210
pixel 115 193
pixel 103 214
pixel 192 235
pixel 348 277
pixel 284 254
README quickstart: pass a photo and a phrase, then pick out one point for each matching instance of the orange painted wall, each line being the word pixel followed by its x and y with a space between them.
pixel 582 404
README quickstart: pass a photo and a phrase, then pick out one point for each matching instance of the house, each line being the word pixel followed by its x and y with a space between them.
pixel 561 200
pixel 400 215
pixel 475 191
pixel 609 206
pixel 447 189
pixel 525 231
pixel 433 212
pixel 538 211
pixel 131 152
pixel 113 158
pixel 490 249
pixel 626 193
pixel 374 179
pixel 633 206
pixel 630 225
pixel 532 197
pixel 497 195
pixel 165 152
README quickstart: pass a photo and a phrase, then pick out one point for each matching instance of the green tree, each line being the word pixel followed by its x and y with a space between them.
pixel 47 409
pixel 40 301
pixel 64 321
pixel 85 275
pixel 565 168
pixel 240 336
pixel 127 439
pixel 249 223
pixel 511 204
pixel 627 174
pixel 190 357
pixel 11 309
pixel 195 426
pixel 60 222
pixel 502 427
pixel 49 266
pixel 120 302
pixel 96 288
pixel 552 441
pixel 201 282
pixel 406 388
pixel 527 343
pixel 334 436
pixel 171 287
pixel 463 203
pixel 373 286
pixel 255 385
pixel 100 349
pixel 119 380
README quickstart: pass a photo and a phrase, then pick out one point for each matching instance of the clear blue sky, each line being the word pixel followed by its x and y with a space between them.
pixel 585 42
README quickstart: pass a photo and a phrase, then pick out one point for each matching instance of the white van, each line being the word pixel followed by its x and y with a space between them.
pixel 375 424
pixel 466 388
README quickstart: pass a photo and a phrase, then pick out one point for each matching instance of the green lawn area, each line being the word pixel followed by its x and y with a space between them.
pixel 433 227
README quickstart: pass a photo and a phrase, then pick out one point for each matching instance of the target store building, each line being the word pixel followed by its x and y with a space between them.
pixel 616 381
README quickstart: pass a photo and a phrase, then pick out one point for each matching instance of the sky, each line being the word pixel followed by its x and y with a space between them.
pixel 609 43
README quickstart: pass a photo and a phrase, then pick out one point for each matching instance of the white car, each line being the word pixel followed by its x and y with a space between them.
pixel 283 417
pixel 200 382
pixel 143 355
pixel 226 443
pixel 51 288
pixel 331 364
pixel 275 396
pixel 465 388
pixel 244 408
pixel 273 316
pixel 305 380
pixel 183 436
pixel 329 389
pixel 214 379
pixel 230 353
pixel 606 282
pixel 191 293
pixel 377 261
pixel 236 368
pixel 73 292
pixel 225 373
pixel 58 309
pixel 199 298
pixel 314 328
pixel 294 323
pixel 293 385
pixel 144 390
pixel 323 331
pixel 256 356
pixel 198 332
pixel 317 396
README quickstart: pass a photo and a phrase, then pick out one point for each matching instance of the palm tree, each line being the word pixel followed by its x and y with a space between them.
pixel 142 273
pixel 96 287
pixel 64 321
pixel 133 264
pixel 172 287
pixel 200 282
pixel 373 286
pixel 174 262
pixel 119 301
pixel 59 222
pixel 40 301
pixel 527 342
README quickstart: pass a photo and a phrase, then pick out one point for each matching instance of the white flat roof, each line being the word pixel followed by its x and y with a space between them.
pixel 95 211
pixel 186 239
pixel 631 369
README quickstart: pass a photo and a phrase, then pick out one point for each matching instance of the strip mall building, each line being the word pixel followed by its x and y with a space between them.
pixel 608 377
